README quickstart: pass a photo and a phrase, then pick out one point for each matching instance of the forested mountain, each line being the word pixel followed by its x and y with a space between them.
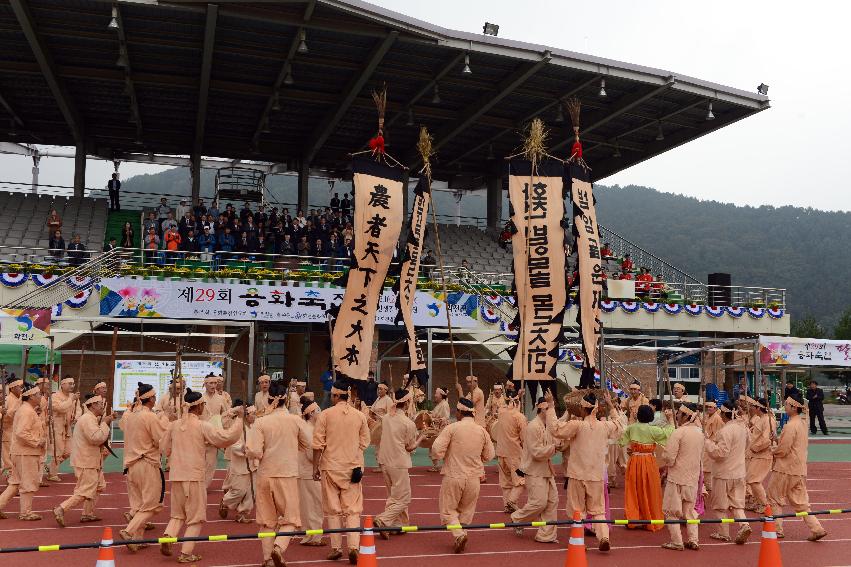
pixel 806 251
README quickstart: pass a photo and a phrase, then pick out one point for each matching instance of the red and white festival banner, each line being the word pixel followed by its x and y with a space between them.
pixel 586 234
pixel 378 222
pixel 407 283
pixel 537 211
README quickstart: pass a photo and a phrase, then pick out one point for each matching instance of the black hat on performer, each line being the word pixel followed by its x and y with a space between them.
pixel 466 405
pixel 402 395
pixel 191 397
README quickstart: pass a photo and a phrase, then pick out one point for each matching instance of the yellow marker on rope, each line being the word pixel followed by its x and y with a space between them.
pixel 692 521
pixel 656 522
pixel 802 514
pixel 48 548
pixel 314 532
pixel 834 511
pixel 407 529
pixel 167 540
pixel 454 527
pixel 496 526
pixel 266 534
pixel 728 521
pixel 538 524
pixel 621 522
pixel 218 537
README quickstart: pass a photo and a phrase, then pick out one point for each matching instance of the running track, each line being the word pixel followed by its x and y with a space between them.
pixel 829 484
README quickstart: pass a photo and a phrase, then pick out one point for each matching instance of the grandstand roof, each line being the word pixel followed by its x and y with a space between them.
pixel 201 79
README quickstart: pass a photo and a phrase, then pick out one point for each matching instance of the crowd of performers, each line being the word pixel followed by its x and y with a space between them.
pixel 294 466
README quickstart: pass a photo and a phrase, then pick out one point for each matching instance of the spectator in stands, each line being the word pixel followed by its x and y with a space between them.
pixel 221 224
pixel 348 249
pixel 285 217
pixel 261 216
pixel 299 216
pixel 606 251
pixel 303 247
pixel 172 241
pixel 226 242
pixel 114 186
pixel 658 289
pixel 151 221
pixel 77 254
pixel 152 243
pixel 349 231
pixel 214 209
pixel 627 265
pixel 163 211
pixel 229 211
pixel 505 235
pixel 189 244
pixel 249 227
pixel 643 281
pixel 185 223
pixel 181 209
pixel 264 246
pixel 323 231
pixel 112 245
pixel 247 243
pixel 335 202
pixel 127 235
pixel 625 275
pixel 54 223
pixel 319 250
pixel 207 244
pixel 285 245
pixel 428 263
pixel 466 265
pixel 209 222
pixel 345 205
pixel 245 212
pixel 168 223
pixel 200 211
pixel 56 245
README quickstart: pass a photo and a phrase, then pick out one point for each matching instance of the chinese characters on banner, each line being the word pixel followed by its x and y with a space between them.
pixel 537 203
pixel 378 222
pixel 25 327
pixel 586 236
pixel 408 276
pixel 782 351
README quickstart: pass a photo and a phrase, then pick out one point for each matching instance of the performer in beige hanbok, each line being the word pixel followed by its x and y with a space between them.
pixel 28 437
pixel 63 406
pixel 239 495
pixel 310 490
pixel 14 388
pixel 215 408
pixel 510 429
pixel 261 398
pixel 440 415
pixel 759 460
pixel 683 453
pixel 87 445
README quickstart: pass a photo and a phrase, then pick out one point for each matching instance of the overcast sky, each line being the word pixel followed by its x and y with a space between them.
pixel 789 154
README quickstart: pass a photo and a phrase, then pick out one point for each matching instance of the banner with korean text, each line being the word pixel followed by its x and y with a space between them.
pixel 127 297
pixel 794 351
pixel 407 283
pixel 586 242
pixel 378 223
pixel 158 373
pixel 25 327
pixel 537 211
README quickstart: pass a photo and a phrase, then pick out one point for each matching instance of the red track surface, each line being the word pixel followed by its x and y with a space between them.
pixel 829 488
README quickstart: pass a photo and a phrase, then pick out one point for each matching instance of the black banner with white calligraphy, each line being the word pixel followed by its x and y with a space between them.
pixel 537 211
pixel 586 235
pixel 378 223
pixel 406 287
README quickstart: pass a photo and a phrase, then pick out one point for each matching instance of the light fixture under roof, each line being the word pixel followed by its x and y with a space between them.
pixel 265 128
pixel 122 60
pixel 660 135
pixel 410 121
pixel 113 22
pixel 709 114
pixel 288 78
pixel 466 70
pixel 559 113
pixel 435 99
pixel 490 29
pixel 302 42
pixel 603 88
pixel 276 102
pixel 762 89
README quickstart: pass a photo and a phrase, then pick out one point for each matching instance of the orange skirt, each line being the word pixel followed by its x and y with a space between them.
pixel 643 495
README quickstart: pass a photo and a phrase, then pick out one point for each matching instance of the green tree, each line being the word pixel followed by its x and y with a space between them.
pixel 842 331
pixel 807 327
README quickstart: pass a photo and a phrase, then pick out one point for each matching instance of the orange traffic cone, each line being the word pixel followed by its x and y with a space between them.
pixel 769 547
pixel 106 555
pixel 366 557
pixel 576 544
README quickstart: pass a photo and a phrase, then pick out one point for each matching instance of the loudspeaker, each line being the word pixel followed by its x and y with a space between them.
pixel 718 290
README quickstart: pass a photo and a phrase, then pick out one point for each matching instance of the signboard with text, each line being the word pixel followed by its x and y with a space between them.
pixel 794 351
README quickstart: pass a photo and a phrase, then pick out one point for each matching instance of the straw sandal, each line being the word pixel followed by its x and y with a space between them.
pixel 59 515
pixel 720 537
pixel 188 558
